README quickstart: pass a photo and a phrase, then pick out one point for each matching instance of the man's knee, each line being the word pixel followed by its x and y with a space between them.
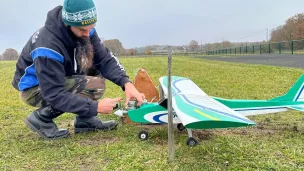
pixel 95 87
pixel 32 97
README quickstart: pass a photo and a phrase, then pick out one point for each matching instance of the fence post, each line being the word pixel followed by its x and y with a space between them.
pixel 260 49
pixel 235 50
pixel 269 48
pixel 240 50
pixel 253 49
pixel 246 49
pixel 292 47
pixel 280 51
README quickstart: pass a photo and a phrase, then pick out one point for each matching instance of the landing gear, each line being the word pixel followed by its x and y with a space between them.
pixel 191 142
pixel 143 135
pixel 180 127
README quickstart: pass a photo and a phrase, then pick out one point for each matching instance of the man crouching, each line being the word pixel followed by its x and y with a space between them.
pixel 63 68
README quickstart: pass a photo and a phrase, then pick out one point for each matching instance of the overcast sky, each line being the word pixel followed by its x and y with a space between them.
pixel 140 22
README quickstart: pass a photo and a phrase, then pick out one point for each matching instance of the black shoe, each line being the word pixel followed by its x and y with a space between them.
pixel 92 123
pixel 41 121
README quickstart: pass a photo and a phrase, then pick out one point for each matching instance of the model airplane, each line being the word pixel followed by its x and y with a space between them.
pixel 193 109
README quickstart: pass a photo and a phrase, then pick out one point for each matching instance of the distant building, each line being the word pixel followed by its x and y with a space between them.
pixel 160 49
pixel 179 49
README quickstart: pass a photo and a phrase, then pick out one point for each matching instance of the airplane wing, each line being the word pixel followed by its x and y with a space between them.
pixel 197 110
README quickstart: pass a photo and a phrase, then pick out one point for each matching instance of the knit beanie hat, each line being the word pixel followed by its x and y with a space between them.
pixel 79 12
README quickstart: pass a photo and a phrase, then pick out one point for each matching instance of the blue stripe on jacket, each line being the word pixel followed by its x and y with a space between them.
pixel 29 79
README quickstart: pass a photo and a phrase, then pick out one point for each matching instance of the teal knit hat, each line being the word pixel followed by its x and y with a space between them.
pixel 79 12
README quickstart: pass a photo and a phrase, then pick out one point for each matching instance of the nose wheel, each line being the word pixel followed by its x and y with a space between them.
pixel 143 135
pixel 180 127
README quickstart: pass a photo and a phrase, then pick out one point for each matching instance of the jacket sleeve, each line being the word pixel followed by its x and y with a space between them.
pixel 108 65
pixel 51 76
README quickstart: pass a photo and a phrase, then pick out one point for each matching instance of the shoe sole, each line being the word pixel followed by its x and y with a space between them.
pixel 31 127
pixel 81 130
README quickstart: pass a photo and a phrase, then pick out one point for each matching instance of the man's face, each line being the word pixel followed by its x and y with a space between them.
pixel 83 31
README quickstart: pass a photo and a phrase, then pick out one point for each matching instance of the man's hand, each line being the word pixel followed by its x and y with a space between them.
pixel 131 92
pixel 106 105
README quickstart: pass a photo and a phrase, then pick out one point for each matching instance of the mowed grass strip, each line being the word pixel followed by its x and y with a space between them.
pixel 276 143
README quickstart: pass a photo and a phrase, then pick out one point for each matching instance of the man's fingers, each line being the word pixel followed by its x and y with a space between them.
pixel 143 96
pixel 117 99
pixel 140 99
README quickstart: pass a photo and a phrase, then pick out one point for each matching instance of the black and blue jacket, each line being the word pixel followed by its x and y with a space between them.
pixel 49 57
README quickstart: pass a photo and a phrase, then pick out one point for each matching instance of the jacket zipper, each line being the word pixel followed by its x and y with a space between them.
pixel 75 62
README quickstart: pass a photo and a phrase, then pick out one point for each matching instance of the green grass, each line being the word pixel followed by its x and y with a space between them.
pixel 276 143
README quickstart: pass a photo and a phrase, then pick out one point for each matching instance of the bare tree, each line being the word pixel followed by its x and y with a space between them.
pixel 292 29
pixel 132 52
pixel 148 51
pixel 10 54
pixel 115 46
pixel 193 45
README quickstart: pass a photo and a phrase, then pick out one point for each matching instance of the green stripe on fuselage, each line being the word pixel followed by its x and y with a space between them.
pixel 137 115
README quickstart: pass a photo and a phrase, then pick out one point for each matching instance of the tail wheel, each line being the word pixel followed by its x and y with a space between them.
pixel 143 135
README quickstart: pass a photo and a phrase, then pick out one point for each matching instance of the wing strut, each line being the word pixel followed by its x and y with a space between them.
pixel 170 114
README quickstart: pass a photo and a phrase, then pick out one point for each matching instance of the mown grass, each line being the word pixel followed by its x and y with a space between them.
pixel 276 143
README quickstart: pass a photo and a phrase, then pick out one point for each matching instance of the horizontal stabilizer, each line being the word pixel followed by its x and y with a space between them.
pixel 299 108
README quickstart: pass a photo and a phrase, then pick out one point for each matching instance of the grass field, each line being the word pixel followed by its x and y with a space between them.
pixel 276 143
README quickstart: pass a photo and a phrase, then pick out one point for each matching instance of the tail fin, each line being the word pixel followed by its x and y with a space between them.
pixel 295 93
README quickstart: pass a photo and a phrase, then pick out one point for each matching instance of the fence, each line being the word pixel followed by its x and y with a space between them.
pixel 286 47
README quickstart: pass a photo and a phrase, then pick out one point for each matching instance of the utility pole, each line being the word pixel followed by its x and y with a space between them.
pixel 267 35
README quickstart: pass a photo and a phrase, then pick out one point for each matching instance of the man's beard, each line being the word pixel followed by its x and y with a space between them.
pixel 84 53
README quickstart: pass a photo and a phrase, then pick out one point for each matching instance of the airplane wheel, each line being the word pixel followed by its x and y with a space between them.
pixel 143 135
pixel 191 142
pixel 180 127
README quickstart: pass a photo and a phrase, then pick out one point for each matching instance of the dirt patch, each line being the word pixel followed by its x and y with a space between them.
pixel 203 134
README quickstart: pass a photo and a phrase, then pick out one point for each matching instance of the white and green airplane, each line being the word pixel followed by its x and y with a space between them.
pixel 194 109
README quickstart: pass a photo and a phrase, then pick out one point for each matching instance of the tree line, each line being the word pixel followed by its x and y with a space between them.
pixel 293 29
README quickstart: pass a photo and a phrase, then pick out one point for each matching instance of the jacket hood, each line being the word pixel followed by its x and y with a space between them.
pixel 55 25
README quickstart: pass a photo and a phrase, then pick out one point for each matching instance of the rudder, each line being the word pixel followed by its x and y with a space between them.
pixel 295 93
